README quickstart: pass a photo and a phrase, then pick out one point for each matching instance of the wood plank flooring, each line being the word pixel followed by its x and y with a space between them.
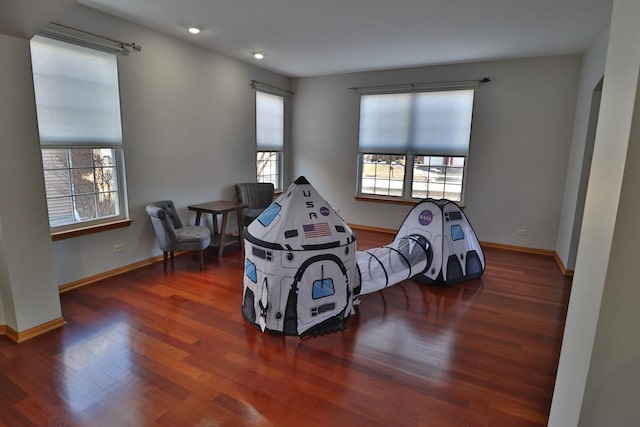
pixel 148 348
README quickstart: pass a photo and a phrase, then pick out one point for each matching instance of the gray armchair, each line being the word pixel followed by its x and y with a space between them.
pixel 172 235
pixel 258 195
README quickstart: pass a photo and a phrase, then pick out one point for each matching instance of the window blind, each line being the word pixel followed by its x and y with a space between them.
pixel 269 122
pixel 434 123
pixel 77 94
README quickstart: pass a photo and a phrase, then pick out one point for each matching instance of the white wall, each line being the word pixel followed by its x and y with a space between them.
pixel 592 71
pixel 519 144
pixel 189 135
pixel 597 372
pixel 612 392
pixel 27 288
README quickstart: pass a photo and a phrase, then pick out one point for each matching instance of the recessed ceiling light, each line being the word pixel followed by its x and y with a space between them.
pixel 194 30
pixel 259 55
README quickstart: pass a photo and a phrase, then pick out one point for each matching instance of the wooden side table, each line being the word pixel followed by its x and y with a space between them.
pixel 221 238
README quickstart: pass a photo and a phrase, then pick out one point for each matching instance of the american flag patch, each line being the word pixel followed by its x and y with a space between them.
pixel 316 230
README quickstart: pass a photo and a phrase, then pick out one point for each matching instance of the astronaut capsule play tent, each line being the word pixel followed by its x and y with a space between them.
pixel 455 252
pixel 299 265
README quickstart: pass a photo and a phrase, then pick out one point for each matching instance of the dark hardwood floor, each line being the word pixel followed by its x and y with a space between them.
pixel 172 349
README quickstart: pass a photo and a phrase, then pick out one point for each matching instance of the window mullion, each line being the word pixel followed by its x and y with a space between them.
pixel 96 190
pixel 408 176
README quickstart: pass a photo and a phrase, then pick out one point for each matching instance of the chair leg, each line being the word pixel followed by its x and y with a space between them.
pixel 202 259
pixel 164 256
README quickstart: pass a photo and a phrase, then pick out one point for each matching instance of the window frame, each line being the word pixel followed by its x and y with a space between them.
pixel 98 222
pixel 278 181
pixel 95 224
pixel 278 184
pixel 407 181
pixel 410 157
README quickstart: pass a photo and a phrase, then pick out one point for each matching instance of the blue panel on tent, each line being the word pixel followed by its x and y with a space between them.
pixel 269 214
pixel 456 233
pixel 322 288
pixel 250 270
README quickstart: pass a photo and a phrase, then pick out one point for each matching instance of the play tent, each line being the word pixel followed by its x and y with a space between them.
pixel 303 275
pixel 299 265
pixel 455 252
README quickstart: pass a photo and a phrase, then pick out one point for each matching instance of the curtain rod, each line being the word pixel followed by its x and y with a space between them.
pixel 275 90
pixel 61 27
pixel 416 87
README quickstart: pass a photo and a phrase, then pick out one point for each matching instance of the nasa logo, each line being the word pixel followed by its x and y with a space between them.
pixel 324 211
pixel 425 217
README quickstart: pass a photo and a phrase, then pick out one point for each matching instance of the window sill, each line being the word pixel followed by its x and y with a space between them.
pixel 394 201
pixel 391 200
pixel 91 229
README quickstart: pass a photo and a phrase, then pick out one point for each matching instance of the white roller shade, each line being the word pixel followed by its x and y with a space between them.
pixel 269 122
pixel 434 123
pixel 77 94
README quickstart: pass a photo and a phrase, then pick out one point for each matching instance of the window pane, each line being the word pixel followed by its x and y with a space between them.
pixel 437 177
pixel 85 207
pixel 81 157
pixel 103 157
pixel 56 182
pixel 268 167
pixel 53 158
pixel 60 211
pixel 105 181
pixel 453 192
pixel 82 181
pixel 108 204
pixel 382 175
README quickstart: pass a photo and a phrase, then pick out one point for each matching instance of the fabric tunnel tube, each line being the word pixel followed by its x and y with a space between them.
pixel 379 268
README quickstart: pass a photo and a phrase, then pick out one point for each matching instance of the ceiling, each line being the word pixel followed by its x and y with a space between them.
pixel 309 38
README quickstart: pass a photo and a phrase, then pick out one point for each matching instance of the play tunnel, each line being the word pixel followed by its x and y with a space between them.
pixel 381 267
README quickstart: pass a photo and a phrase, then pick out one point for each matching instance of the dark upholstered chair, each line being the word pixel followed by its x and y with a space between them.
pixel 172 235
pixel 258 195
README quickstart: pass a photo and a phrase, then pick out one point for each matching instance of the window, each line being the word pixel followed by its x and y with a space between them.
pixel 81 184
pixel 269 138
pixel 78 109
pixel 414 145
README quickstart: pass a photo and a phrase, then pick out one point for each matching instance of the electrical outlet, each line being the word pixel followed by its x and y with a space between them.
pixel 522 231
pixel 119 247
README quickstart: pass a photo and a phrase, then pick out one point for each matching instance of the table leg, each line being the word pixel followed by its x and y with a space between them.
pixel 223 229
pixel 214 220
pixel 198 215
